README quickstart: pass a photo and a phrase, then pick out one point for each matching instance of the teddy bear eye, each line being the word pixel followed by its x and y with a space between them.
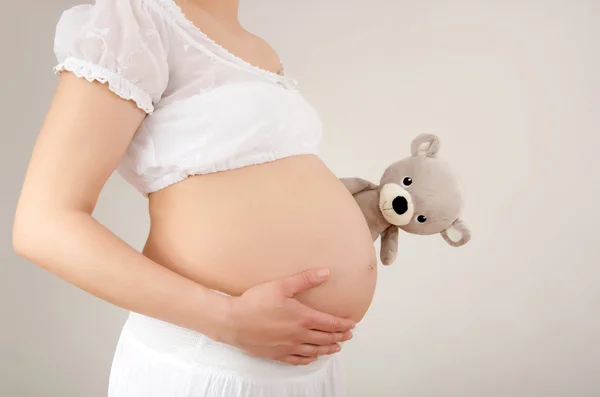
pixel 421 219
pixel 407 181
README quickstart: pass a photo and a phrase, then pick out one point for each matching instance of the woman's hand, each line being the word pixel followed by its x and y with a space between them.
pixel 268 321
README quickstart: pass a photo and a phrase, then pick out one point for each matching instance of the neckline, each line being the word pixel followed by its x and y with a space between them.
pixel 178 14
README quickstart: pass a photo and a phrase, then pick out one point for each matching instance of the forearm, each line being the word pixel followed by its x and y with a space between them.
pixel 80 250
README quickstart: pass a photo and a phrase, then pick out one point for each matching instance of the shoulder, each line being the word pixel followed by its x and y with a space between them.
pixel 265 51
pixel 119 42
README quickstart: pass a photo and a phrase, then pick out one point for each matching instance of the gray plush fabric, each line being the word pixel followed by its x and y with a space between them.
pixel 419 194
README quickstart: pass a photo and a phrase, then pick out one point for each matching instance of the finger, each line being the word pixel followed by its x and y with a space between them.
pixel 316 351
pixel 303 281
pixel 320 338
pixel 298 360
pixel 320 321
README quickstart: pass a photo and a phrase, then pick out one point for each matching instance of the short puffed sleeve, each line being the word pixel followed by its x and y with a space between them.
pixel 122 43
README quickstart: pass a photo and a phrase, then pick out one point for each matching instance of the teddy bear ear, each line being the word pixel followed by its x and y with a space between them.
pixel 425 145
pixel 457 234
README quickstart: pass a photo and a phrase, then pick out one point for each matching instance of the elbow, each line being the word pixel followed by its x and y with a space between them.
pixel 27 235
pixel 22 239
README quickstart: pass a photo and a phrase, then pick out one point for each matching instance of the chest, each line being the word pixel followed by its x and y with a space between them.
pixel 237 41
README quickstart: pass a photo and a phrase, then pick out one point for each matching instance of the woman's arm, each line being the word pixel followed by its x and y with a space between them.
pixel 85 133
pixel 83 137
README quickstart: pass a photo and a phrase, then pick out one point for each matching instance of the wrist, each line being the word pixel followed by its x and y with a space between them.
pixel 216 319
pixel 226 329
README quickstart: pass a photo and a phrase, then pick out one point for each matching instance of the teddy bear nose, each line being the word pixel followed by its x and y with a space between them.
pixel 400 205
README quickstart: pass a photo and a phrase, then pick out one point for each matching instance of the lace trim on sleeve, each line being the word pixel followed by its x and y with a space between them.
pixel 116 83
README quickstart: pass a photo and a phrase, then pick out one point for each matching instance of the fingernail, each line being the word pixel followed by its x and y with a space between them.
pixel 323 273
pixel 337 348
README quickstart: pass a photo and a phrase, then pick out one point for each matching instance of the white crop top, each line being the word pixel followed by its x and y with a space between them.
pixel 207 109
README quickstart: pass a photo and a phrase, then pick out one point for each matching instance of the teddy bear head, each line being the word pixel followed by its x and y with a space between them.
pixel 422 195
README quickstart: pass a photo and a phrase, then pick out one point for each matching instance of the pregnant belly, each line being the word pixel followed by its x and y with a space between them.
pixel 232 230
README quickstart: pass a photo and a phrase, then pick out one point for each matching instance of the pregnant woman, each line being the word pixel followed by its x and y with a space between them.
pixel 258 262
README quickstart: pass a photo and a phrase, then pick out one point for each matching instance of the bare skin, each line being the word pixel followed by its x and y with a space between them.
pixel 219 20
pixel 232 230
pixel 84 135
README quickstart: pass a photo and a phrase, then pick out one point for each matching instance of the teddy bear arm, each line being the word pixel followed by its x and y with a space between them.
pixel 389 245
pixel 357 185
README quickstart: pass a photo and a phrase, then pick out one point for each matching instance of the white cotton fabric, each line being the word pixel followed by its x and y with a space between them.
pixel 158 359
pixel 208 110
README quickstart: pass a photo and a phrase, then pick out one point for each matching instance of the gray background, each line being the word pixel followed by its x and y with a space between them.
pixel 513 90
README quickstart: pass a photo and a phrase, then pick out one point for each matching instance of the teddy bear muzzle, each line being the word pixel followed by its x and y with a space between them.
pixel 395 203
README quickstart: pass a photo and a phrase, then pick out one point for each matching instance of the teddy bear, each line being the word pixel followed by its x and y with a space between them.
pixel 419 194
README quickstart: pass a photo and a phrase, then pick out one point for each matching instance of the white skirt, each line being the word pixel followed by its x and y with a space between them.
pixel 158 359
